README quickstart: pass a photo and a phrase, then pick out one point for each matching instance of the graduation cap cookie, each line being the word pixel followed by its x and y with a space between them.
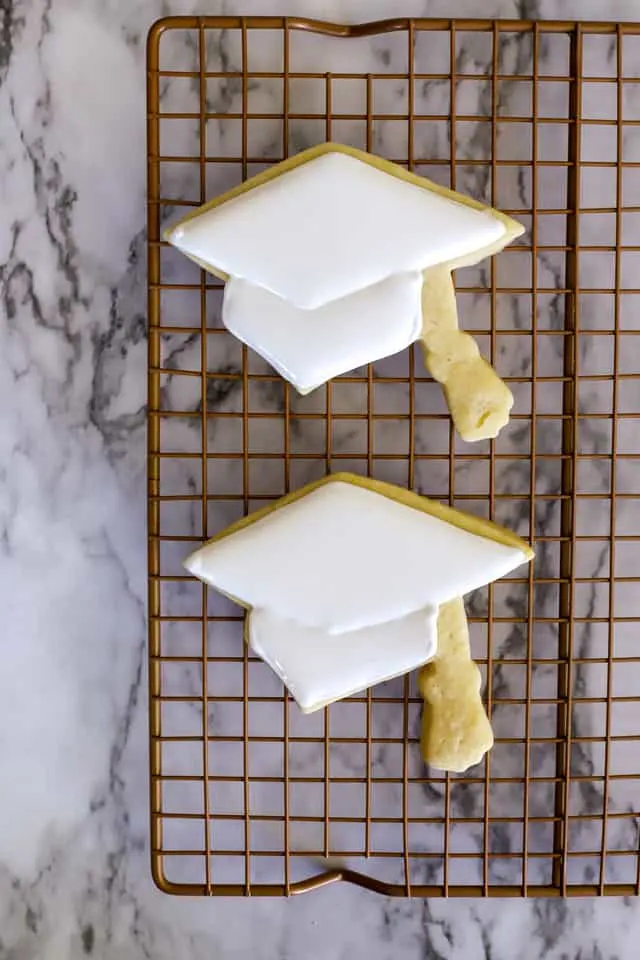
pixel 343 580
pixel 336 258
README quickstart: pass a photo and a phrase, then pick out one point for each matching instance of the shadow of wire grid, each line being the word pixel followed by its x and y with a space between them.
pixel 247 794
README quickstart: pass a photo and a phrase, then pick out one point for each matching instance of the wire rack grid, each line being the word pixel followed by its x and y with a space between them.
pixel 248 796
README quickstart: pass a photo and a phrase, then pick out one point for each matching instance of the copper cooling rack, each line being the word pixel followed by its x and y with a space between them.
pixel 247 795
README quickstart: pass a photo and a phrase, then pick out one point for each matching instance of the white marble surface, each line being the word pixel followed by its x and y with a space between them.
pixel 74 876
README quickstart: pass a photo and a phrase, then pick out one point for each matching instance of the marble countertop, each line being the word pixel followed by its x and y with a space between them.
pixel 74 862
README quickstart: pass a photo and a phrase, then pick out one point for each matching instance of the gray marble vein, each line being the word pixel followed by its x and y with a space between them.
pixel 74 840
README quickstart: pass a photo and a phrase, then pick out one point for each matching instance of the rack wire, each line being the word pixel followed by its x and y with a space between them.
pixel 248 796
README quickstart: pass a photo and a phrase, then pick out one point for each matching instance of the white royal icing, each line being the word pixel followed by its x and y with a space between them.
pixel 344 557
pixel 332 226
pixel 319 667
pixel 309 347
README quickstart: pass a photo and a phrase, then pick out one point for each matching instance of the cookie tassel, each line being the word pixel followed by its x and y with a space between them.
pixel 456 732
pixel 478 400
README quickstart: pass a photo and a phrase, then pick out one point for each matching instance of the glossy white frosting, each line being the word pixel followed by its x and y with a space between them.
pixel 319 667
pixel 309 347
pixel 344 557
pixel 332 226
